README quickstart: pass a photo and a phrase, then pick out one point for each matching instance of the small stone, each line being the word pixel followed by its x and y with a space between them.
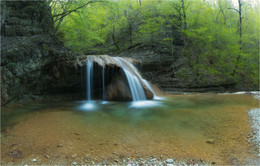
pixel 76 133
pixel 47 156
pixel 74 155
pixel 13 145
pixel 59 145
pixel 86 156
pixel 16 154
pixel 91 148
pixel 210 141
pixel 34 160
pixel 169 161
pixel 74 163
pixel 169 165
pixel 153 160
pixel 116 160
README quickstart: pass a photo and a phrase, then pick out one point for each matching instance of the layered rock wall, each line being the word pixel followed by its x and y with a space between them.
pixel 27 48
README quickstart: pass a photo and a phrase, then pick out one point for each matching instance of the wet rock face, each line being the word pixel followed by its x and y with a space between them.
pixel 118 89
pixel 149 95
pixel 27 48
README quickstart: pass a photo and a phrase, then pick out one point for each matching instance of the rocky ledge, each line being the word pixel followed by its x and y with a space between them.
pixel 71 75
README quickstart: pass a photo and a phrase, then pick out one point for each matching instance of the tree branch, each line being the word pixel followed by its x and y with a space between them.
pixel 234 9
pixel 74 10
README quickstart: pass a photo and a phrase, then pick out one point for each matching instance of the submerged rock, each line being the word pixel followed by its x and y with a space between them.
pixel 16 154
pixel 59 145
pixel 210 141
pixel 74 155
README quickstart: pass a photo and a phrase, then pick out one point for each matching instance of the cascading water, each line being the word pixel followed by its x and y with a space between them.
pixel 148 85
pixel 89 105
pixel 103 83
pixel 135 86
pixel 89 71
pixel 151 89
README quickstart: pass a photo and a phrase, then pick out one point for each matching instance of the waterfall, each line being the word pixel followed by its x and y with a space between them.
pixel 135 81
pixel 151 89
pixel 105 87
pixel 135 85
pixel 89 78
pixel 148 85
pixel 103 82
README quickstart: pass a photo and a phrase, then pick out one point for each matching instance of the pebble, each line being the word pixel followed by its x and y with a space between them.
pixel 59 145
pixel 153 160
pixel 47 156
pixel 116 160
pixel 74 155
pixel 210 141
pixel 16 154
pixel 169 161
pixel 34 160
pixel 74 163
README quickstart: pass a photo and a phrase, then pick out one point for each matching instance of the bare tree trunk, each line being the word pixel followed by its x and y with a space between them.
pixel 114 38
pixel 184 23
pixel 240 36
pixel 130 33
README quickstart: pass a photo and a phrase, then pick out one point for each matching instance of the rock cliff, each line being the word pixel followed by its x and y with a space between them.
pixel 27 48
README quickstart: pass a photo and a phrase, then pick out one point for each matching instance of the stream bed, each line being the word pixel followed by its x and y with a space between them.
pixel 197 128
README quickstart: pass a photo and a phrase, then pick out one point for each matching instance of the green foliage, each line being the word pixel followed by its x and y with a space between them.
pixel 209 34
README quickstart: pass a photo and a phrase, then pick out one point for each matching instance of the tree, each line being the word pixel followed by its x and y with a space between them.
pixel 239 11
